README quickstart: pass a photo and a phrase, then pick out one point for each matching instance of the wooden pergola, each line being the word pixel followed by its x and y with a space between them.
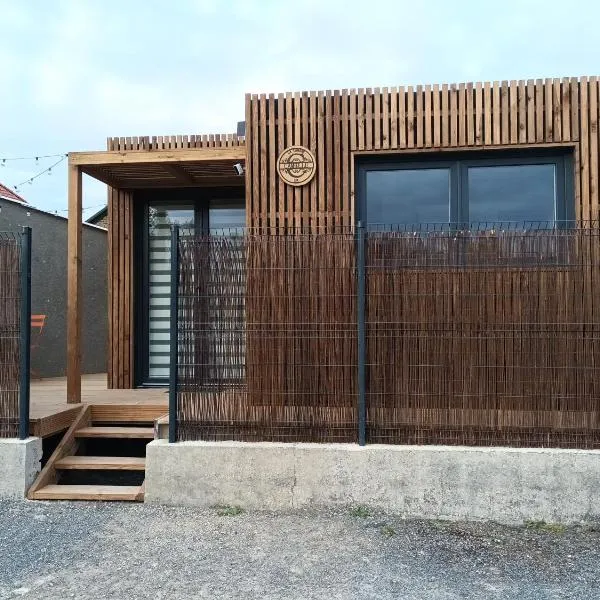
pixel 130 170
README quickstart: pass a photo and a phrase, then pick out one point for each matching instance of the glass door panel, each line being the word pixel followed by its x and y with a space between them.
pixel 161 216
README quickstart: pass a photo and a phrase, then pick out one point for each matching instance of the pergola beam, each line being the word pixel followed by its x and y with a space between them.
pixel 180 175
pixel 136 157
pixel 74 305
pixel 101 175
pixel 136 183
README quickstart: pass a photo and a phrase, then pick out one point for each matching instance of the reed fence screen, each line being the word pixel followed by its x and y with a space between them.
pixel 10 307
pixel 477 336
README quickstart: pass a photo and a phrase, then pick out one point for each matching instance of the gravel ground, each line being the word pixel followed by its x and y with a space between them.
pixel 123 551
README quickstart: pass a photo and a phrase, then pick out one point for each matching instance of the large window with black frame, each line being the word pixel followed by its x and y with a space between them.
pixel 478 190
pixel 464 209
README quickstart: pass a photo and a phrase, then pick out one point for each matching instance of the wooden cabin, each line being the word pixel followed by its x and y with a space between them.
pixel 470 336
pixel 414 154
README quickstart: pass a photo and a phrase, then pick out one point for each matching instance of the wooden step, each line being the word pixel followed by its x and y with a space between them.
pixel 102 463
pixel 116 432
pixel 128 413
pixel 130 493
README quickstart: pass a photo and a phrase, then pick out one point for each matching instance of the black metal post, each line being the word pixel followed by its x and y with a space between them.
pixel 173 336
pixel 362 341
pixel 25 334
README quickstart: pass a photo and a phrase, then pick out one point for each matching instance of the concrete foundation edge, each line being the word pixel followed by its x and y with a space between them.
pixel 506 485
pixel 20 463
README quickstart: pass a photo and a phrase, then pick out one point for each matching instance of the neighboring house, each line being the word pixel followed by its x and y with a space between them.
pixel 49 286
pixel 100 218
pixel 7 194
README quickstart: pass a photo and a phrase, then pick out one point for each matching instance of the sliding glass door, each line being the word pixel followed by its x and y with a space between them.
pixel 220 216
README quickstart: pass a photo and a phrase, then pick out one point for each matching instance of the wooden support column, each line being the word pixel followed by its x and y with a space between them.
pixel 74 304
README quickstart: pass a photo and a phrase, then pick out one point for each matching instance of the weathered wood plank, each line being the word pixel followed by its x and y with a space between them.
pixel 445 116
pixel 497 112
pixel 101 463
pixel 74 286
pixel 462 116
pixel 385 118
pixel 435 111
pixel 393 119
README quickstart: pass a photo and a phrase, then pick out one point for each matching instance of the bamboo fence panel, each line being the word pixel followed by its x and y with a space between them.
pixel 473 337
pixel 483 338
pixel 267 338
pixel 10 306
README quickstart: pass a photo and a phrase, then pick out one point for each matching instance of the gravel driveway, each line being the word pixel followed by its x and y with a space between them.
pixel 125 552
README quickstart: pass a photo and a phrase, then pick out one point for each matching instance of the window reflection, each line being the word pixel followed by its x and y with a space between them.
pixel 483 192
pixel 408 196
pixel 512 193
pixel 226 217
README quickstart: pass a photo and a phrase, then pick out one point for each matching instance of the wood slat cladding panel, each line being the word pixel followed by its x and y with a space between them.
pixel 120 289
pixel 120 238
pixel 338 125
pixel 120 277
pixel 175 142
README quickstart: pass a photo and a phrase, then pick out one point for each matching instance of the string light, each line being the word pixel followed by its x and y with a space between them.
pixel 47 170
pixel 57 210
pixel 36 158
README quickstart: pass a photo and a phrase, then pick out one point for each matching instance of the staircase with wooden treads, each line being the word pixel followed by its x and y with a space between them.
pixel 101 456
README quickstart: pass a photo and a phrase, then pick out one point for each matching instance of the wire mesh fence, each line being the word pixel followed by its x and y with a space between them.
pixel 267 338
pixel 478 335
pixel 10 307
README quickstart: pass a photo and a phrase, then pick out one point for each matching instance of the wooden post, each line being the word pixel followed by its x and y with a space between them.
pixel 74 287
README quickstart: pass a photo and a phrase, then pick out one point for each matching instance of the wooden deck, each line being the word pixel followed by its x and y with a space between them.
pixel 50 413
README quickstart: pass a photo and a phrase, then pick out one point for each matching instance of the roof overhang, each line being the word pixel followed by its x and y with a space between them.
pixel 138 169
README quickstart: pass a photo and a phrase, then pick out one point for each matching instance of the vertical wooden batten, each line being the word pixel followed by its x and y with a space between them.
pixel 120 289
pixel 74 286
pixel 487 116
pixel 120 279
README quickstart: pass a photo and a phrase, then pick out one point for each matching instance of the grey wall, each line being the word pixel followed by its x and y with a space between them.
pixel 49 288
pixel 508 485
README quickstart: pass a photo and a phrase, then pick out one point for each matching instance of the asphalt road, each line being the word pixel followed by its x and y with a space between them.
pixel 124 551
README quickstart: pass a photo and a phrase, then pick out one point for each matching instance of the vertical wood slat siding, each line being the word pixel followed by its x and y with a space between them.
pixel 120 363
pixel 120 281
pixel 175 142
pixel 424 117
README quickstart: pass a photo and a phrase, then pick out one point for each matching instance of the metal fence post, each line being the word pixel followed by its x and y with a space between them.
pixel 362 342
pixel 25 334
pixel 173 334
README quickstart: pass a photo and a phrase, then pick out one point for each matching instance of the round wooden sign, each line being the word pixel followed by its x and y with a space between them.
pixel 296 165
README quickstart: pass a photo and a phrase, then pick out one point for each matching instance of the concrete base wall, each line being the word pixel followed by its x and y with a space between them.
pixel 507 485
pixel 20 463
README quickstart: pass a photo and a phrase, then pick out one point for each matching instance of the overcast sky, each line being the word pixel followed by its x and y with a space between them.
pixel 73 72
